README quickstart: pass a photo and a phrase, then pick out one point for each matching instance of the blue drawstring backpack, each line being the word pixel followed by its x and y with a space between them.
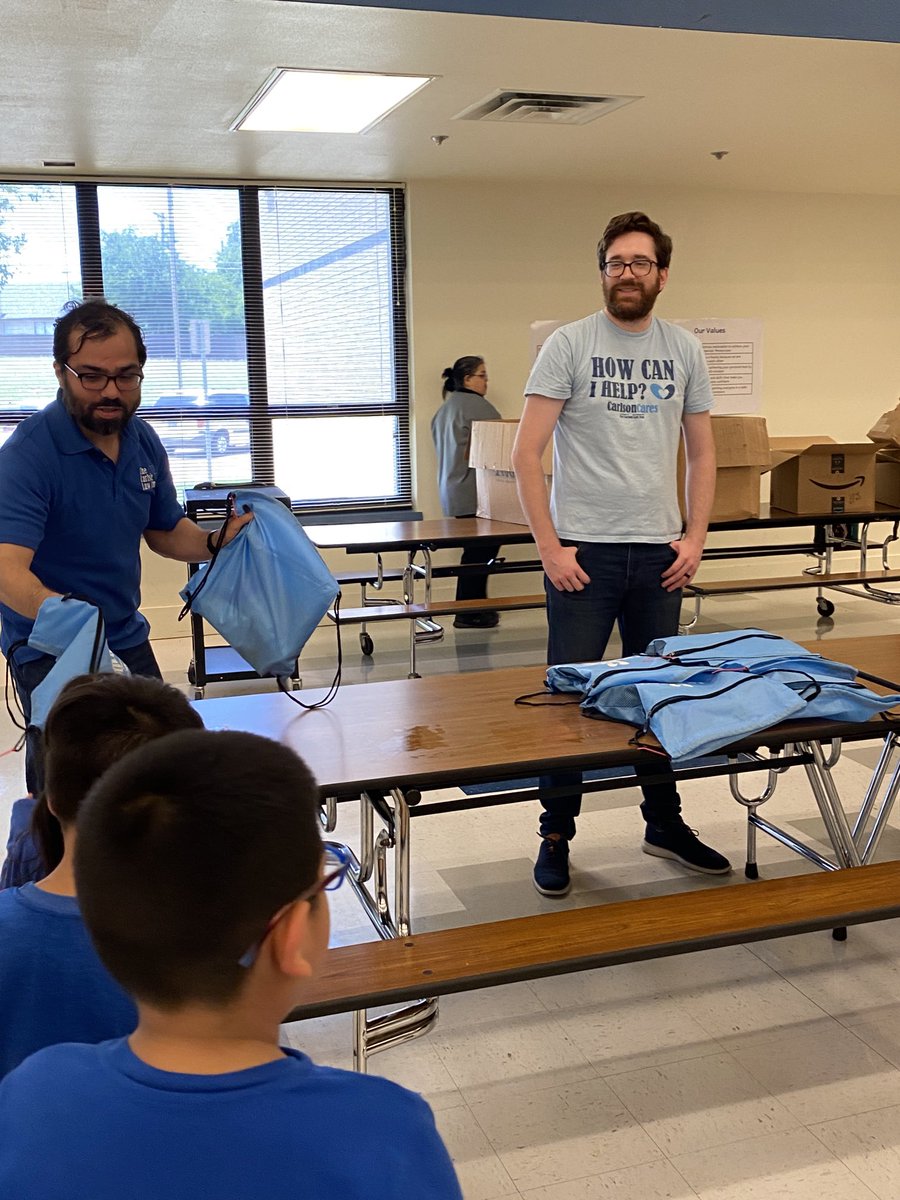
pixel 736 645
pixel 267 590
pixel 712 710
pixel 581 679
pixel 711 690
pixel 74 632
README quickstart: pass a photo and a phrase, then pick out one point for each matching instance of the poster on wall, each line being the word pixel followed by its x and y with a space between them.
pixel 539 331
pixel 733 349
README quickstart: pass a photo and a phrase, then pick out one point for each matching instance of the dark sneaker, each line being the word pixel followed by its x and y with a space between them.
pixel 551 871
pixel 679 842
pixel 476 620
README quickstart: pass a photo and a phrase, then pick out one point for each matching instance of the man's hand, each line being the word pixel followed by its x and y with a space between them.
pixel 684 568
pixel 562 569
pixel 236 523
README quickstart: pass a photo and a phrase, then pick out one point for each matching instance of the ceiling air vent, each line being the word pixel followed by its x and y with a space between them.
pixel 542 108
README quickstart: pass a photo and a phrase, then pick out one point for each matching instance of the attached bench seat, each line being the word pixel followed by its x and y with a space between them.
pixel 369 576
pixel 728 587
pixel 437 608
pixel 379 973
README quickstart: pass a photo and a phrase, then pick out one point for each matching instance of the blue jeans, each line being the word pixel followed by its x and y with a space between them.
pixel 139 659
pixel 625 590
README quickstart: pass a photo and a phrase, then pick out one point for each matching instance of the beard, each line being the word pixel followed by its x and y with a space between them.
pixel 86 415
pixel 630 300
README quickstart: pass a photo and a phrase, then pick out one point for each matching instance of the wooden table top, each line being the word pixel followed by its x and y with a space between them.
pixel 781 518
pixel 370 537
pixel 413 535
pixel 448 730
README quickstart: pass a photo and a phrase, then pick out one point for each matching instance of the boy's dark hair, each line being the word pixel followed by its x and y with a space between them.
pixel 186 849
pixel 454 377
pixel 93 722
pixel 636 222
pixel 96 319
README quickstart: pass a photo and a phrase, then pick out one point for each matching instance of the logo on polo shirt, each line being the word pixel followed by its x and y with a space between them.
pixel 148 480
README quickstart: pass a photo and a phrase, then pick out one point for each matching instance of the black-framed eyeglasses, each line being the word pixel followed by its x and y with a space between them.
pixel 336 864
pixel 614 267
pixel 94 381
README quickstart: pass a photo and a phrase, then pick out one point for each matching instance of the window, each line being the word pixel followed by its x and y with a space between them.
pixel 331 353
pixel 39 271
pixel 275 324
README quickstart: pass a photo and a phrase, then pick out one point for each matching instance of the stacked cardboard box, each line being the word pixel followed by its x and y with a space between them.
pixel 885 433
pixel 490 453
pixel 742 451
pixel 742 455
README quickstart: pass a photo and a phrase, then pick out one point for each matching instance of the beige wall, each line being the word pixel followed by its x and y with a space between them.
pixel 822 272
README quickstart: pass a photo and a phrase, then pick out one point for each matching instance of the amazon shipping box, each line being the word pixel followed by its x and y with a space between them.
pixel 818 475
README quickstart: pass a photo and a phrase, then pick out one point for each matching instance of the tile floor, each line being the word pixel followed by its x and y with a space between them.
pixel 746 1073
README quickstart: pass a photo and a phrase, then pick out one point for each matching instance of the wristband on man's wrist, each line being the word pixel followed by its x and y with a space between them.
pixel 210 545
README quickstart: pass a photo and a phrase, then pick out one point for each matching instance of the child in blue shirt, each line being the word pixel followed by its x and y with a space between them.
pixel 201 876
pixel 53 987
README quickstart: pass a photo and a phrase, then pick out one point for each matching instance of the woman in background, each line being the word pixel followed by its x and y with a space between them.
pixel 465 385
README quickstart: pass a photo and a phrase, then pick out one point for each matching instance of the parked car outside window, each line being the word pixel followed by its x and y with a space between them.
pixel 190 421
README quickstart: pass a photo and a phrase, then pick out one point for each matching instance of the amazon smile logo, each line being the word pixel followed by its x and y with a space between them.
pixel 840 487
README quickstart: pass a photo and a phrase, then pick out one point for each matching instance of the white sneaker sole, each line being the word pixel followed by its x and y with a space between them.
pixel 555 894
pixel 662 852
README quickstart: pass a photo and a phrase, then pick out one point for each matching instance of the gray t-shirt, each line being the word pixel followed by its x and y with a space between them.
pixel 451 428
pixel 615 447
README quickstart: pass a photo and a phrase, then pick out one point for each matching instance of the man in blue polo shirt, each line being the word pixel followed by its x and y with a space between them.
pixel 80 484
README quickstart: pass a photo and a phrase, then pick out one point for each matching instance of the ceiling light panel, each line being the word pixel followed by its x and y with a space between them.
pixel 301 101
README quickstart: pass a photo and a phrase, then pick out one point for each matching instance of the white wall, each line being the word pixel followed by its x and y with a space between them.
pixel 822 272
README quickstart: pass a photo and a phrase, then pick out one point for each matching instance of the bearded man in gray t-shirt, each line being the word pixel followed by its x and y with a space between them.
pixel 616 391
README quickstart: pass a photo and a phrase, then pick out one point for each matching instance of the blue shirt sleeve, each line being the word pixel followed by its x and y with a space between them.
pixel 165 509
pixel 25 495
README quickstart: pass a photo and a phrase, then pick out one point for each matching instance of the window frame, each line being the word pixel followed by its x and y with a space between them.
pixel 261 416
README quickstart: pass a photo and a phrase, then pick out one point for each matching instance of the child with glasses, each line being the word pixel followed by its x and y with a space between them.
pixel 201 876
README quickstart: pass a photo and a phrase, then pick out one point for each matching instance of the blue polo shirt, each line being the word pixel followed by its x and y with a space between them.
pixel 83 516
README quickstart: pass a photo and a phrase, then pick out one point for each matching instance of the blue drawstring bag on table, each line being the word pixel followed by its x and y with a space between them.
pixel 582 679
pixel 707 712
pixel 741 646
pixel 267 590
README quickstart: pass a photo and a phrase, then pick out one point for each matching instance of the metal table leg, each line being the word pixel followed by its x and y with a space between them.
pixel 379 855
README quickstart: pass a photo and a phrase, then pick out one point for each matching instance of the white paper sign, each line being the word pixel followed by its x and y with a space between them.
pixel 539 332
pixel 733 349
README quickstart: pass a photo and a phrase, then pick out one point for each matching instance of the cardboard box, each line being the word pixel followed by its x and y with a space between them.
pixel 887 481
pixel 885 433
pixel 886 430
pixel 818 475
pixel 742 455
pixel 490 453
